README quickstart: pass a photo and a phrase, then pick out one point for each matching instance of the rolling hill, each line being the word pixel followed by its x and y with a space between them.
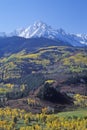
pixel 23 66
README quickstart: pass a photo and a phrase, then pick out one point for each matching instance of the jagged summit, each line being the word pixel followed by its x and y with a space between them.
pixel 40 24
pixel 41 29
pixel 38 29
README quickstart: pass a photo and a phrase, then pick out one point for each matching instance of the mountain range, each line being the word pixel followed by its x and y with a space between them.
pixel 31 57
pixel 41 30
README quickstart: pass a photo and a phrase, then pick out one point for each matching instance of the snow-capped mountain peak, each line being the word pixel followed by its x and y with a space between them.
pixel 41 29
pixel 38 29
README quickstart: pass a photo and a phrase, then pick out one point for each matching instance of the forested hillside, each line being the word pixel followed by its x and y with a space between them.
pixel 65 65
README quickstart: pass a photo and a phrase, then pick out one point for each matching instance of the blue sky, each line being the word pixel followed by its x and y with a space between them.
pixel 70 15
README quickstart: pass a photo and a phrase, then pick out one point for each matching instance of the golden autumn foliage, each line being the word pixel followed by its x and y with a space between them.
pixel 16 119
pixel 80 100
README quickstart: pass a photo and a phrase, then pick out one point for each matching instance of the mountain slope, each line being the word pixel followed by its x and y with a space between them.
pixel 10 45
pixel 65 65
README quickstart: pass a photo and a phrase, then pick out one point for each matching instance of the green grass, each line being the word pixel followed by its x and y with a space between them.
pixel 77 113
